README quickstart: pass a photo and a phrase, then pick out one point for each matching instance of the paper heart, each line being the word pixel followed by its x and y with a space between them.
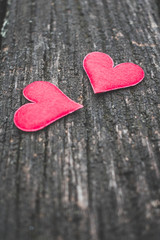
pixel 48 105
pixel 105 77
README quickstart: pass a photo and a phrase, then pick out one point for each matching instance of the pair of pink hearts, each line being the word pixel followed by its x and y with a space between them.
pixel 50 104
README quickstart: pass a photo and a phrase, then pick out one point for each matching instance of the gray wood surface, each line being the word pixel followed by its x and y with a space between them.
pixel 95 174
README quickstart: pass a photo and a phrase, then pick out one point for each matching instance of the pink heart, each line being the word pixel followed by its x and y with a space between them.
pixel 105 77
pixel 48 105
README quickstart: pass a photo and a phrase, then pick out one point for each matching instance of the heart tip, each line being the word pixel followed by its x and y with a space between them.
pixel 79 106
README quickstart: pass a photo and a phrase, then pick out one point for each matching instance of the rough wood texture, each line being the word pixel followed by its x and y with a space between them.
pixel 95 174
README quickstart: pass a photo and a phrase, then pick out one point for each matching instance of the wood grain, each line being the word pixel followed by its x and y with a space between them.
pixel 95 174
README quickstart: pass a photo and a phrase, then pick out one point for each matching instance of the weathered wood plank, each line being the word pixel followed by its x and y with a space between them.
pixel 95 173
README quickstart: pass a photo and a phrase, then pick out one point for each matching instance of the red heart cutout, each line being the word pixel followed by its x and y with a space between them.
pixel 48 105
pixel 105 77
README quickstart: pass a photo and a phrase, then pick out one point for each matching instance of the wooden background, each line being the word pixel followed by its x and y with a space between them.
pixel 95 174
